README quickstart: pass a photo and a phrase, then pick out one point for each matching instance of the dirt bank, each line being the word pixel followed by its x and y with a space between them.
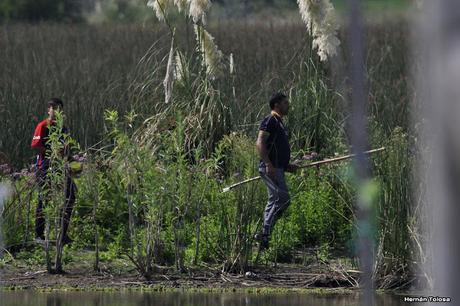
pixel 281 277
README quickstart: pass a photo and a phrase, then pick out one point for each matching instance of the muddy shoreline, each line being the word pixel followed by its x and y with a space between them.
pixel 258 279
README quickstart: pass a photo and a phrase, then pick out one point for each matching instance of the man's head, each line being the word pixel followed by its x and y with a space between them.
pixel 54 104
pixel 279 103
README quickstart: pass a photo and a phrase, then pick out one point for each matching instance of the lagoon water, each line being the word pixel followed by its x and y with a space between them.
pixel 33 298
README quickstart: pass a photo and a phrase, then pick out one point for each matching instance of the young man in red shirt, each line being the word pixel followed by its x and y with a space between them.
pixel 39 142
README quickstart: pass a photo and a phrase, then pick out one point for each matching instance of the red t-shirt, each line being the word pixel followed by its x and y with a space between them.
pixel 39 140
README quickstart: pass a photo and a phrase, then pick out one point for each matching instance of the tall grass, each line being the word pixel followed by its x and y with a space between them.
pixel 88 67
pixel 119 67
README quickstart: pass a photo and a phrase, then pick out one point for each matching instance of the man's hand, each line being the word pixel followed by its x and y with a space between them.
pixel 271 172
pixel 310 156
pixel 292 168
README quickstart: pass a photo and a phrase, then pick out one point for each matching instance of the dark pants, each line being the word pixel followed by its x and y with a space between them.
pixel 70 190
pixel 278 198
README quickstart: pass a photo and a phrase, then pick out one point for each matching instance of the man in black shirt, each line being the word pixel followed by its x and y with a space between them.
pixel 275 152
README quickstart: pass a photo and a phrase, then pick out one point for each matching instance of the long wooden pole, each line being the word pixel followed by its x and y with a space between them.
pixel 318 163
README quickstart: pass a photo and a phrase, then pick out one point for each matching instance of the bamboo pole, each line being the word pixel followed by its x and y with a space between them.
pixel 318 163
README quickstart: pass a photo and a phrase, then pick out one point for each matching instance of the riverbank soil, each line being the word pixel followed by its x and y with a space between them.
pixel 120 273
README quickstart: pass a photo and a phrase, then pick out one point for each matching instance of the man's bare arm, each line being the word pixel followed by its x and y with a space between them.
pixel 263 153
pixel 262 147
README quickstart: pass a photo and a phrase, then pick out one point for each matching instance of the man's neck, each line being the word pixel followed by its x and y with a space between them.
pixel 275 113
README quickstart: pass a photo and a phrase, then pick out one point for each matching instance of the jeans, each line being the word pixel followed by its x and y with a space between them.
pixel 70 190
pixel 278 198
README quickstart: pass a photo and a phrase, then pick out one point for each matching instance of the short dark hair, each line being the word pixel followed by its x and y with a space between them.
pixel 55 102
pixel 277 97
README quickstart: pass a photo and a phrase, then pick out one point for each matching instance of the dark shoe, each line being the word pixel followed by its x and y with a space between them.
pixel 263 240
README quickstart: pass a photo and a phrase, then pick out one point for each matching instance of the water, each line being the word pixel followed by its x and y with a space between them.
pixel 33 298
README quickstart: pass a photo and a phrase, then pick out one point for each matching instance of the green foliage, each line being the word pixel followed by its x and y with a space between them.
pixel 18 212
pixel 33 257
pixel 136 10
pixel 39 10
pixel 110 11
pixel 237 214
pixel 395 211
pixel 60 146
pixel 322 215
pixel 316 120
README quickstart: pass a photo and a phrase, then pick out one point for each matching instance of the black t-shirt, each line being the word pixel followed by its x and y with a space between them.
pixel 279 151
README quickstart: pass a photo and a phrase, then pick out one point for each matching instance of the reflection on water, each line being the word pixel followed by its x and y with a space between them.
pixel 32 298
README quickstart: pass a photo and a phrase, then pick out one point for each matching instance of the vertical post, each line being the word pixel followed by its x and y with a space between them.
pixel 359 141
pixel 438 104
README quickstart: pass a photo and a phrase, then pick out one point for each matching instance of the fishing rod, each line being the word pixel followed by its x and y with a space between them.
pixel 318 163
